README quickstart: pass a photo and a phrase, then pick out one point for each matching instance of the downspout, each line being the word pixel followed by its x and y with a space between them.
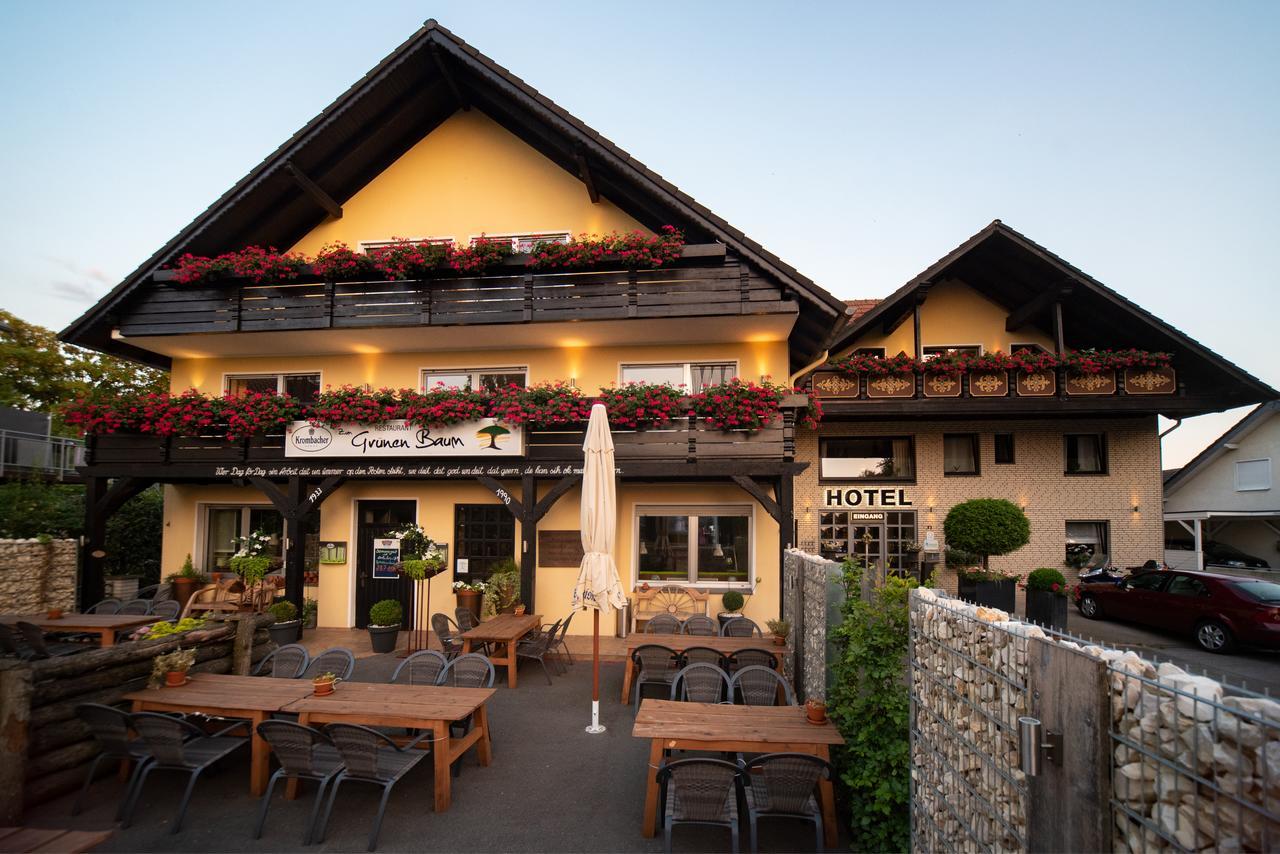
pixel 1177 422
pixel 807 368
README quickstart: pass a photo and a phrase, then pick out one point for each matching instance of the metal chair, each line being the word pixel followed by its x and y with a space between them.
pixel 40 648
pixel 166 609
pixel 740 627
pixel 287 662
pixel 782 785
pixel 139 607
pixel 471 670
pixel 338 660
pixel 558 643
pixel 758 686
pixel 701 683
pixel 368 756
pixel 106 606
pixel 178 745
pixel 656 665
pixel 703 655
pixel 536 646
pixel 700 791
pixel 109 727
pixel 156 592
pixel 662 624
pixel 465 622
pixel 701 625
pixel 448 638
pixel 752 656
pixel 423 668
pixel 304 754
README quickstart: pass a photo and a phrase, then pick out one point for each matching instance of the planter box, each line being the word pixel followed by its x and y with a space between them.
pixel 283 633
pixel 1092 384
pixel 1150 381
pixel 991 594
pixel 891 386
pixel 1047 609
pixel 941 385
pixel 834 385
pixel 1037 384
pixel 383 638
pixel 989 384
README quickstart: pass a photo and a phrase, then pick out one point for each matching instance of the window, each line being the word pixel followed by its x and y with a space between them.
pixel 694 545
pixel 868 458
pixel 526 242
pixel 1004 455
pixel 484 535
pixel 1089 538
pixel 950 350
pixel 694 376
pixel 366 245
pixel 959 453
pixel 1253 475
pixel 486 379
pixel 1147 581
pixel 222 525
pixel 877 352
pixel 1185 585
pixel 305 387
pixel 1030 348
pixel 1086 453
pixel 890 541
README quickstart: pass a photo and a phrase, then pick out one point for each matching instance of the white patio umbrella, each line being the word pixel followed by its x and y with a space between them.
pixel 598 587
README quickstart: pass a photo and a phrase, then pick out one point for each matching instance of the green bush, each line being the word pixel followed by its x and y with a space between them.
pixel 385 613
pixel 978 574
pixel 959 559
pixel 1047 579
pixel 987 526
pixel 502 589
pixel 284 611
pixel 732 601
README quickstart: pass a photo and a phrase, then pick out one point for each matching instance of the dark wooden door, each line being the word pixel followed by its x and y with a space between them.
pixel 377 519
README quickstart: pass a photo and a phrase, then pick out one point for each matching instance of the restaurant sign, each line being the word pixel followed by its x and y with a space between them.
pixel 483 438
pixel 841 498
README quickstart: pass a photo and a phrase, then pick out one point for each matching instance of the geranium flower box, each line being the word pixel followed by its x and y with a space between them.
pixel 1144 380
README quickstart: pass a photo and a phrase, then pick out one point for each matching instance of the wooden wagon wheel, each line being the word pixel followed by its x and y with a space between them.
pixel 675 601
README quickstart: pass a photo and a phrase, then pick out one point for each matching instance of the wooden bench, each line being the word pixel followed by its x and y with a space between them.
pixel 679 602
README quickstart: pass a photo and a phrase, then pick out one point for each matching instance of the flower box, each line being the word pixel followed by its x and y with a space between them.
pixel 989 384
pixel 1101 383
pixel 892 386
pixel 1002 594
pixel 1047 608
pixel 833 385
pixel 941 385
pixel 1037 383
pixel 1150 381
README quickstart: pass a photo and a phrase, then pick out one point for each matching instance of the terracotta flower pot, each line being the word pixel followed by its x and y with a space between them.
pixel 779 640
pixel 54 613
pixel 183 589
pixel 174 678
pixel 519 610
pixel 323 688
pixel 815 711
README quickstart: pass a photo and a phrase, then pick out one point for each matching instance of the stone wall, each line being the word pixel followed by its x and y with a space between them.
pixel 807 584
pixel 36 576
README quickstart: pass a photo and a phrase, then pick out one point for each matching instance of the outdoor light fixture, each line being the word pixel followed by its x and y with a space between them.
pixel 1136 508
pixel 333 552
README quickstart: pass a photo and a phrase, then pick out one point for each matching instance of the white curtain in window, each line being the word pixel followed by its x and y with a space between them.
pixel 903 461
pixel 707 375
pixel 1088 457
pixel 957 454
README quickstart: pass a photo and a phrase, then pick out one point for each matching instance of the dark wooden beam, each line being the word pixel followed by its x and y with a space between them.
pixel 757 492
pixel 1059 343
pixel 786 530
pixel 312 189
pixel 513 504
pixel 449 79
pixel 553 495
pixel 892 322
pixel 529 544
pixel 101 499
pixel 1033 308
pixel 313 498
pixel 915 320
pixel 584 173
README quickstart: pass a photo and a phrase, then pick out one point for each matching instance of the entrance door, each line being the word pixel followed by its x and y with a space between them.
pixel 866 541
pixel 844 535
pixel 375 520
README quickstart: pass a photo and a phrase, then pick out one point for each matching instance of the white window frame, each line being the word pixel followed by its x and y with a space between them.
pixel 201 545
pixel 1240 488
pixel 686 366
pixel 923 347
pixel 474 373
pixel 260 375
pixel 550 235
pixel 365 245
pixel 693 511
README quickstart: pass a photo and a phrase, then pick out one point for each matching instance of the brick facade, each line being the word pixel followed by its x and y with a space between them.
pixel 1035 480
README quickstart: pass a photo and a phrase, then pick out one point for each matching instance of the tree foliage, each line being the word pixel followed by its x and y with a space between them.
pixel 987 526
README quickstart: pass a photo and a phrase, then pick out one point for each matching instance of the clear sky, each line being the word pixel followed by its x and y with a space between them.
pixel 859 141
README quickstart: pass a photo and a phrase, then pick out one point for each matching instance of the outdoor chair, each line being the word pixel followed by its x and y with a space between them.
pixel 655 665
pixel 752 657
pixel 304 754
pixel 536 646
pixel 701 683
pixel 166 609
pixel 136 606
pixel 10 644
pixel 106 606
pixel 338 660
pixel 110 727
pixel 782 785
pixel 448 638
pixel 287 662
pixel 701 625
pixel 466 621
pixel 558 643
pixel 468 671
pixel 699 791
pixel 662 624
pixel 33 635
pixel 175 744
pixel 758 686
pixel 702 655
pixel 740 627
pixel 422 668
pixel 369 756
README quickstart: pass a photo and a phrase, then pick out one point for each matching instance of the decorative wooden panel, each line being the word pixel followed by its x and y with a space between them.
pixel 559 548
pixel 1037 384
pixel 834 385
pixel 892 386
pixel 1150 381
pixel 941 385
pixel 1092 384
pixel 989 384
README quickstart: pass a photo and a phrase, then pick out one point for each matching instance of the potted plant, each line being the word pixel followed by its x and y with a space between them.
pixel 988 588
pixel 732 601
pixel 780 629
pixel 251 561
pixel 815 711
pixel 384 625
pixel 469 594
pixel 287 628
pixel 985 527
pixel 1047 595
pixel 170 669
pixel 322 685
pixel 185 582
pixel 310 613
pixel 502 591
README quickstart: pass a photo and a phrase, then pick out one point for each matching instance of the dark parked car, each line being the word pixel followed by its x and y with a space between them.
pixel 1218 610
pixel 1221 554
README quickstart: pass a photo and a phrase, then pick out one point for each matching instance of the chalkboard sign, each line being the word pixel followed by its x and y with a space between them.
pixel 560 548
pixel 386 554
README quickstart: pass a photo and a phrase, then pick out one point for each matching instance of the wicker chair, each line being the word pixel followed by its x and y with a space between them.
pixel 448 638
pixel 139 607
pixel 468 671
pixel 109 727
pixel 10 644
pixel 466 621
pixel 699 791
pixel 338 660
pixel 701 683
pixel 166 609
pixel 752 656
pixel 558 643
pixel 662 624
pixel 287 662
pixel 700 625
pixel 537 645
pixel 782 785
pixel 369 756
pixel 741 627
pixel 422 668
pixel 40 648
pixel 106 606
pixel 703 655
pixel 655 665
pixel 177 745
pixel 758 686
pixel 304 754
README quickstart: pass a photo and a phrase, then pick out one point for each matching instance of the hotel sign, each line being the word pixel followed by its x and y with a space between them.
pixel 483 438
pixel 863 497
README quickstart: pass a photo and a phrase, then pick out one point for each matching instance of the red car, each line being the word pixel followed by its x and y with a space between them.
pixel 1220 610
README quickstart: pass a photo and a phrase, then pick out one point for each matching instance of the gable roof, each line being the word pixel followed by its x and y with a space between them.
pixel 402 99
pixel 1176 478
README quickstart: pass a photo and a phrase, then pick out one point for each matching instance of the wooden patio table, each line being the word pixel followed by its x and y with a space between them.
pixel 504 630
pixel 251 697
pixel 422 707
pixel 49 839
pixel 672 725
pixel 104 626
pixel 680 643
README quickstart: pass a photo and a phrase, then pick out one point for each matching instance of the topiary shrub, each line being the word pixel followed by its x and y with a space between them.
pixel 987 526
pixel 385 613
pixel 284 611
pixel 958 559
pixel 1048 580
pixel 732 601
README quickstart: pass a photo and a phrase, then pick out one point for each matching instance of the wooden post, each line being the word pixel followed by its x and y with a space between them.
pixel 528 542
pixel 242 646
pixel 15 716
pixel 92 586
pixel 1069 802
pixel 295 553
